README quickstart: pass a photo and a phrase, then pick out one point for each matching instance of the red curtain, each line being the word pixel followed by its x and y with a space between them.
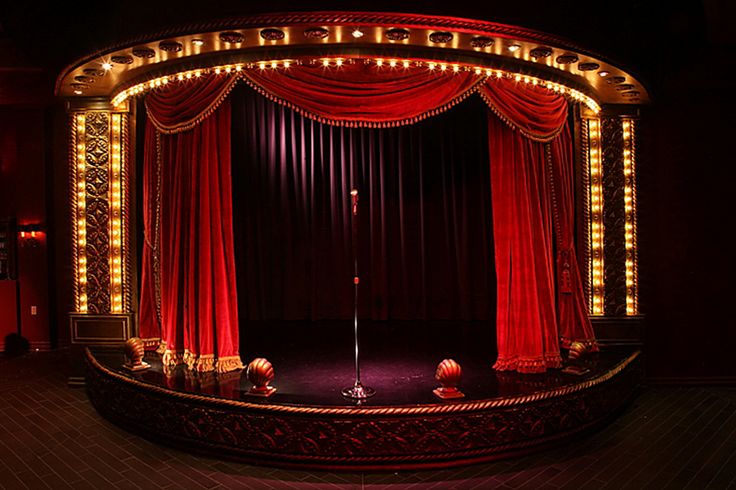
pixel 526 329
pixel 188 203
pixel 574 323
pixel 197 292
pixel 359 94
pixel 532 190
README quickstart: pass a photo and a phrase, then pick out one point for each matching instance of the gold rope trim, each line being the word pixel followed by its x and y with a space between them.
pixel 208 111
pixel 361 124
pixel 502 116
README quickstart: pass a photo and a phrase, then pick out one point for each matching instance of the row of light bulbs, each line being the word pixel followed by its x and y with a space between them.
pixel 596 216
pixel 115 229
pixel 443 67
pixel 630 217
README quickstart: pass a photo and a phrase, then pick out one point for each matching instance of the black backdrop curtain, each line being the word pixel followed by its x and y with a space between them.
pixel 426 245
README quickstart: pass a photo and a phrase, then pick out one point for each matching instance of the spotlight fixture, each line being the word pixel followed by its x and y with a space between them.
pixel 198 42
pixel 357 33
pixel 603 73
pixel 107 66
pixel 78 92
pixel 514 47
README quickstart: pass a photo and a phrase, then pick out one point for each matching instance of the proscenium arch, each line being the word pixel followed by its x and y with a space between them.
pixel 99 87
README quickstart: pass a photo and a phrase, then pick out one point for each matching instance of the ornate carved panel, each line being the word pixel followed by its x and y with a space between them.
pixel 97 144
pixel 614 220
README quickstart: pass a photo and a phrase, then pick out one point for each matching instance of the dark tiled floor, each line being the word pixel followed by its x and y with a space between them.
pixel 51 437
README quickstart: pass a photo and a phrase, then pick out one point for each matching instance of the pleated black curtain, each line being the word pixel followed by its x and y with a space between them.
pixel 426 244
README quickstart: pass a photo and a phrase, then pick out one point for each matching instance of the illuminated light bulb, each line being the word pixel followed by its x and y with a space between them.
pixel 151 84
pixel 237 68
pixel 357 33
pixel 188 75
pixel 274 64
pixel 338 62
pixel 379 62
pixel 78 92
pixel 180 77
pixel 228 69
pixel 603 73
pixel 197 73
pixel 526 80
pixel 217 70
pixel 261 66
pixel 392 63
pixel 287 64
pixel 455 68
pixel 325 62
pixel 443 67
pixel 489 73
pixel 517 78
pixel 535 81
pixel 107 66
pixel 514 47
pixel 478 71
pixel 431 66
pixel 198 42
pixel 406 64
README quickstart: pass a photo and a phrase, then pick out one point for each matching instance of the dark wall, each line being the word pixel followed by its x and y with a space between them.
pixel 681 49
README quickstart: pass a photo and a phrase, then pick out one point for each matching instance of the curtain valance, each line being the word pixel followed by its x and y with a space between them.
pixel 364 95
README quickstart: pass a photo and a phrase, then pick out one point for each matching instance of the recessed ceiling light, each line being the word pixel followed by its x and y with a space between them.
pixel 514 47
pixel 198 42
pixel 357 33
pixel 107 66
pixel 78 92
pixel 603 73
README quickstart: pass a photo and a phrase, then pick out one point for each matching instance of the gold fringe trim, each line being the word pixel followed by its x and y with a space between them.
pixel 208 111
pixel 200 362
pixel 590 344
pixel 152 342
pixel 161 348
pixel 502 116
pixel 528 365
pixel 361 124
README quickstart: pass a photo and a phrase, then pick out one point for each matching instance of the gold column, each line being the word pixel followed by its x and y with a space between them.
pixel 99 145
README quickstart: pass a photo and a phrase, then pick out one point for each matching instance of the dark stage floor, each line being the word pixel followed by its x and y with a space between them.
pixel 314 361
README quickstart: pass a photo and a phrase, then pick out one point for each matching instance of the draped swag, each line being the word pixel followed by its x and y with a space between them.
pixel 188 295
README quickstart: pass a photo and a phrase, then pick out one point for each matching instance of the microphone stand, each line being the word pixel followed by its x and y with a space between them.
pixel 357 391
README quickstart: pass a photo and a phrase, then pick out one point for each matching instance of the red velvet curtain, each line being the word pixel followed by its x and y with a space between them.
pixel 359 94
pixel 532 190
pixel 188 203
pixel 197 307
pixel 526 327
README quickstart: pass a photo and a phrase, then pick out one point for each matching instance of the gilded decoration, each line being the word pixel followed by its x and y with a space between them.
pixel 614 220
pixel 97 144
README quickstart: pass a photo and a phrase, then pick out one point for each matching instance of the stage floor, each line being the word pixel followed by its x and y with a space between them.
pixel 307 422
pixel 313 362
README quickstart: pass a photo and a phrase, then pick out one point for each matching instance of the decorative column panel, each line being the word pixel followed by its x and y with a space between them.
pixel 595 226
pixel 614 219
pixel 100 201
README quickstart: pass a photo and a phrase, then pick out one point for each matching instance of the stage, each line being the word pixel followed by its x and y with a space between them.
pixel 307 423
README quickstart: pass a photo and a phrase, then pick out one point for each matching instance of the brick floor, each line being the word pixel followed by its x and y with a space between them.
pixel 50 437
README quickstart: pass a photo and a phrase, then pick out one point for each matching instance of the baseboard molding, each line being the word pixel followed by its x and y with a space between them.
pixel 40 345
pixel 691 381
